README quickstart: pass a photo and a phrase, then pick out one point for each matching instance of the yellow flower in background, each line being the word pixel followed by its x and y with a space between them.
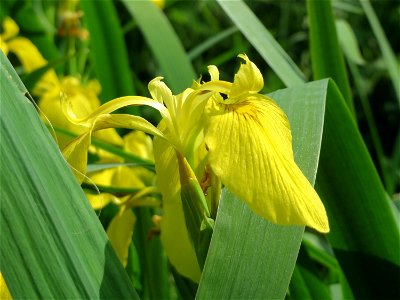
pixel 248 147
pixel 27 53
pixel 83 98
pixel 10 30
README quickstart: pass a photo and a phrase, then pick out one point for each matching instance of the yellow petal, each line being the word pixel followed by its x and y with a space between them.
pixel 160 92
pixel 120 233
pixel 247 80
pixel 76 151
pixel 111 106
pixel 174 234
pixel 250 150
pixel 139 144
pixel 101 200
pixel 214 73
pixel 4 292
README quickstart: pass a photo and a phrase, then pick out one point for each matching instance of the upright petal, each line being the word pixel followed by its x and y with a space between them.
pixel 247 80
pixel 250 150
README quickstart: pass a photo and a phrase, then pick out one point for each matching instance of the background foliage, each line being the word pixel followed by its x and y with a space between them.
pixel 350 125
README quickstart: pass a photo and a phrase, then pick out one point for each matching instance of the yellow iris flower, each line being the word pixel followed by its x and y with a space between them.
pixel 248 147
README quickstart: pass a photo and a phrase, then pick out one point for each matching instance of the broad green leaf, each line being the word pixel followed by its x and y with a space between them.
pixel 250 257
pixel 364 232
pixel 52 244
pixel 263 42
pixel 387 52
pixel 164 43
pixel 326 56
pixel 108 52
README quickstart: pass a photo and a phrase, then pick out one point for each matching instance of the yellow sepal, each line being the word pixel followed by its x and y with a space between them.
pixel 250 150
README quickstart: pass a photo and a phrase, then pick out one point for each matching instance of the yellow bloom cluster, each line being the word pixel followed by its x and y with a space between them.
pixel 242 138
pixel 226 133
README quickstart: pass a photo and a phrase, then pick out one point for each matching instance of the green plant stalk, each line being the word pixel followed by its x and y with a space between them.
pixel 108 52
pixel 388 179
pixel 326 55
pixel 387 52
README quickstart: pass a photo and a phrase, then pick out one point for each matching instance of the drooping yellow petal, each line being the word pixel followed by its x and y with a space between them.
pixel 247 80
pixel 112 106
pixel 174 234
pixel 250 150
pixel 120 233
pixel 76 151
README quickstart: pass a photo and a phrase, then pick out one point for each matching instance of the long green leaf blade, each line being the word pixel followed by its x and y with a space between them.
pixel 270 250
pixel 326 56
pixel 164 43
pixel 52 244
pixel 263 42
pixel 387 52
pixel 364 233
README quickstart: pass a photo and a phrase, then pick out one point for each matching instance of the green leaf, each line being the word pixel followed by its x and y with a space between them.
pixel 250 257
pixel 387 52
pixel 108 52
pixel 326 56
pixel 164 43
pixel 263 41
pixel 364 233
pixel 308 275
pixel 52 244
